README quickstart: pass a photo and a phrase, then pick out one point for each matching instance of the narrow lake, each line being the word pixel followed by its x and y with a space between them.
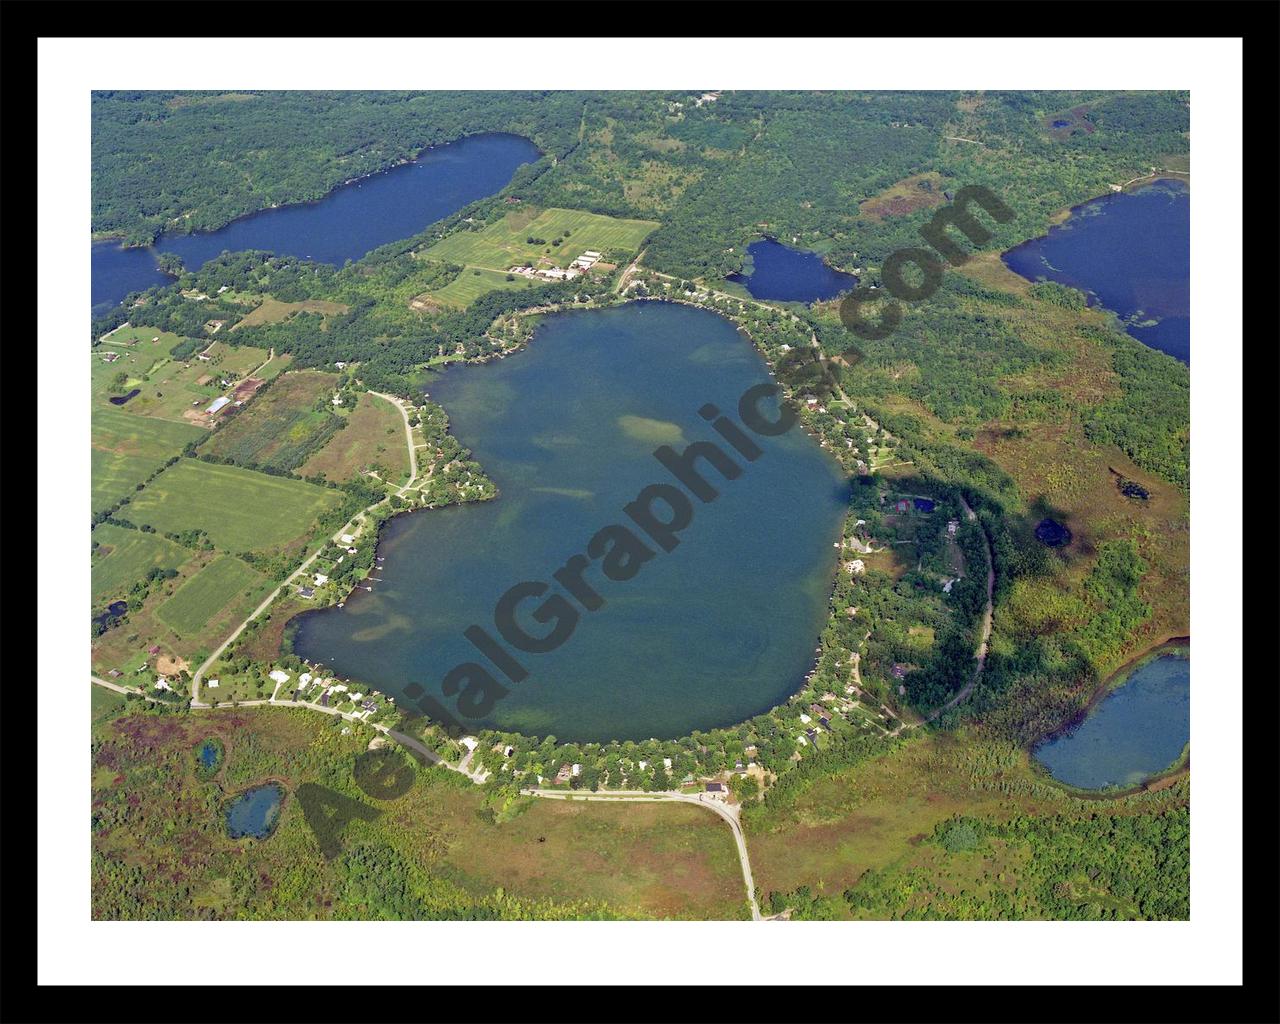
pixel 255 812
pixel 1134 732
pixel 785 274
pixel 1129 252
pixel 344 225
pixel 708 634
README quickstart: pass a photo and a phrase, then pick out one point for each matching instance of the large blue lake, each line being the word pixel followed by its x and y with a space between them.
pixel 784 274
pixel 344 225
pixel 1129 252
pixel 1134 732
pixel 708 634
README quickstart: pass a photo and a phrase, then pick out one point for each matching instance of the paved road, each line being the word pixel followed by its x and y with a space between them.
pixel 729 812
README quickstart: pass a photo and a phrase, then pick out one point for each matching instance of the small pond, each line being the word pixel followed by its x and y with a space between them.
pixel 1053 533
pixel 114 610
pixel 209 753
pixel 121 399
pixel 779 272
pixel 1137 730
pixel 255 811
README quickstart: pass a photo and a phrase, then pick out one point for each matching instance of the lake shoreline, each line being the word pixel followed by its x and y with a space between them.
pixel 354 593
pixel 112 235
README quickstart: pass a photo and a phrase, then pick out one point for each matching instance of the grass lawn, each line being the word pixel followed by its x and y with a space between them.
pixel 503 244
pixel 474 282
pixel 240 509
pixel 203 596
pixel 372 439
pixel 125 556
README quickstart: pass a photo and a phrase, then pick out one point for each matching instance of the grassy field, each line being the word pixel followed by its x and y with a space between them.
pixel 125 556
pixel 474 282
pixel 280 425
pixel 202 597
pixel 372 439
pixel 503 244
pixel 436 851
pixel 872 822
pixel 127 449
pixel 240 509
pixel 273 311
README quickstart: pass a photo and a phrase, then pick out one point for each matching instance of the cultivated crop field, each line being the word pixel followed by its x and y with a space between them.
pixel 504 244
pixel 125 556
pixel 372 439
pixel 203 596
pixel 128 449
pixel 281 426
pixel 240 509
pixel 474 282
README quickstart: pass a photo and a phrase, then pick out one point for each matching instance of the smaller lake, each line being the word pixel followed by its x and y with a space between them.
pixel 121 399
pixel 344 225
pixel 1129 252
pixel 1137 730
pixel 255 812
pixel 791 275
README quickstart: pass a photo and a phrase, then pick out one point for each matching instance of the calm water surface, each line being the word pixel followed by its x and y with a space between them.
pixel 715 631
pixel 344 225
pixel 1137 730
pixel 255 812
pixel 1129 252
pixel 791 275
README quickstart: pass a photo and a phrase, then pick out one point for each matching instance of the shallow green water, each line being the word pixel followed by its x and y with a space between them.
pixel 712 632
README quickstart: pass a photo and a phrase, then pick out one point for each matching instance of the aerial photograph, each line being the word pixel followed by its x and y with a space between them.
pixel 681 504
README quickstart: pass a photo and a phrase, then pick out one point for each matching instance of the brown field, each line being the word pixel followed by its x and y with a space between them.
pixel 372 439
pixel 664 861
pixel 918 192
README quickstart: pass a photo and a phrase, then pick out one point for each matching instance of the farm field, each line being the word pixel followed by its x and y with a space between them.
pixel 280 426
pixel 372 439
pixel 503 244
pixel 202 597
pixel 239 509
pixel 129 556
pixel 474 282
pixel 127 449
